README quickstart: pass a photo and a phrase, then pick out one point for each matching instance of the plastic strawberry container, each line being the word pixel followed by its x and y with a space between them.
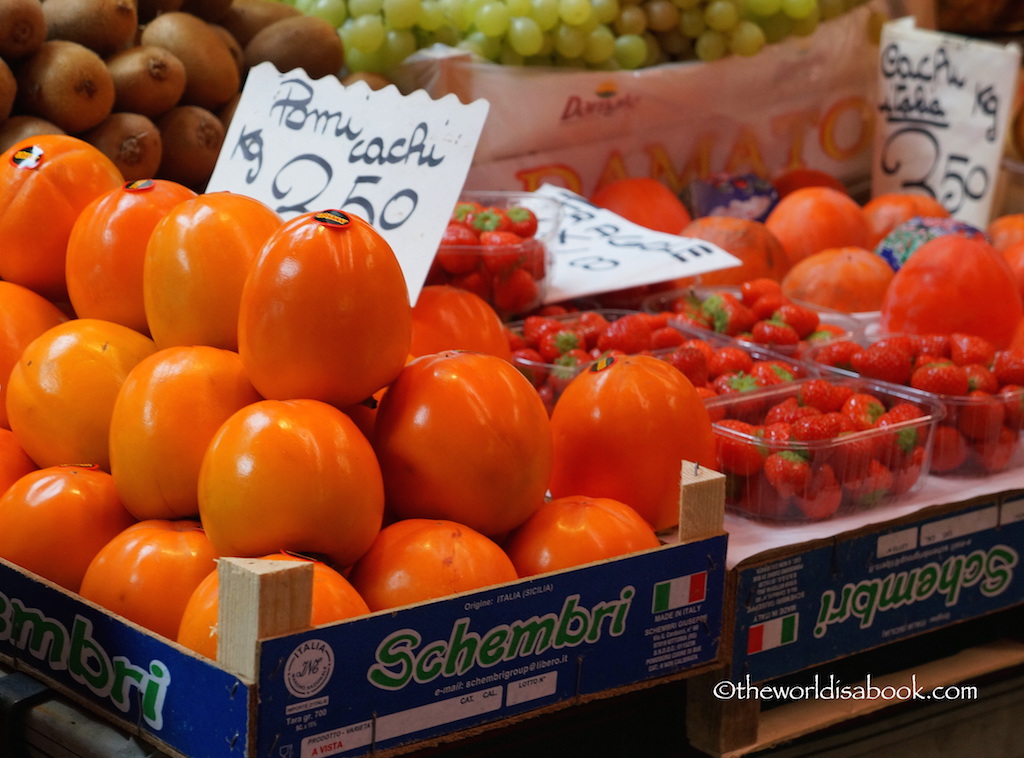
pixel 833 324
pixel 512 278
pixel 860 469
pixel 550 377
pixel 978 435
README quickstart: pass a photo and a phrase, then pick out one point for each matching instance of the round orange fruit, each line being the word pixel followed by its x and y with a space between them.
pixel 814 218
pixel 850 279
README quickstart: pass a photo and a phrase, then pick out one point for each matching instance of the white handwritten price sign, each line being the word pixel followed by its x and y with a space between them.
pixel 944 105
pixel 598 251
pixel 399 162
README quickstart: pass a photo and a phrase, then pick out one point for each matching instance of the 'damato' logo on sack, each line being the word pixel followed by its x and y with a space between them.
pixel 604 101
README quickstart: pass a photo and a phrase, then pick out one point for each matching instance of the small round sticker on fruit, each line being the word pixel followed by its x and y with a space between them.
pixel 602 363
pixel 139 185
pixel 27 157
pixel 332 218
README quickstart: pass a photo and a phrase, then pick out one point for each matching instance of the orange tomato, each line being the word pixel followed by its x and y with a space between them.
pixel 54 520
pixel 1005 230
pixel 954 284
pixel 24 315
pixel 324 312
pixel 14 461
pixel 147 572
pixel 850 279
pixel 165 414
pixel 621 430
pixel 573 530
pixel 465 437
pixel 61 392
pixel 45 181
pixel 449 318
pixel 811 219
pixel 195 264
pixel 644 201
pixel 415 560
pixel 760 252
pixel 887 211
pixel 294 475
pixel 107 249
pixel 333 599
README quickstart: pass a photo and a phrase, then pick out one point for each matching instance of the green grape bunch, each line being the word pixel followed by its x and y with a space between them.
pixel 604 35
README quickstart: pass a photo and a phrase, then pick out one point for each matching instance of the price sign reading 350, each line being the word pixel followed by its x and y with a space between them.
pixel 302 145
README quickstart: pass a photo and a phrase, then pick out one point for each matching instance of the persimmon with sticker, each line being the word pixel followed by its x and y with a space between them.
pixel 24 315
pixel 888 210
pixel 107 249
pixel 196 261
pixel 334 599
pixel 54 520
pixel 294 475
pixel 147 572
pixel 165 414
pixel 45 182
pixel 324 312
pixel 61 392
pixel 419 559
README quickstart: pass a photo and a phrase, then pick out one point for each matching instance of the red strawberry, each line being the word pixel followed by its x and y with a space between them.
pixel 1008 366
pixel 1012 396
pixel 788 472
pixel 553 344
pixel 630 334
pixel 736 449
pixel 804 320
pixel 908 343
pixel 514 292
pixel 888 363
pixel 933 344
pixel 824 426
pixel 838 354
pixel 728 314
pixel 729 359
pixel 768 373
pixel 981 377
pixel 906 431
pixel 997 453
pixel 464 208
pixel 592 324
pixel 757 498
pixel 949 449
pixel 450 257
pixel 824 395
pixel 754 289
pixel 870 489
pixel 941 377
pixel 664 337
pixel 850 456
pixel 535 326
pixel 766 305
pixel 907 470
pixel 523 221
pixel 824 495
pixel 775 432
pixel 489 219
pixel 692 361
pixel 864 408
pixel 734 381
pixel 980 416
pixel 774 333
pixel 476 282
pixel 502 253
pixel 969 348
pixel 531 365
pixel 789 410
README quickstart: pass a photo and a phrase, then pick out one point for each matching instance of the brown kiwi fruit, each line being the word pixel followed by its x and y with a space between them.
pixel 66 83
pixel 103 26
pixel 236 50
pixel 208 10
pixel 305 42
pixel 192 138
pixel 211 75
pixel 17 128
pixel 22 28
pixel 8 90
pixel 132 141
pixel 150 9
pixel 246 17
pixel 149 80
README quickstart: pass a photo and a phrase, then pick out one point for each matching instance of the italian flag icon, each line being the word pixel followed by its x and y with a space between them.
pixel 773 633
pixel 683 590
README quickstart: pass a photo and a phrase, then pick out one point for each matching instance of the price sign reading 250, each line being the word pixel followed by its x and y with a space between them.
pixel 397 161
pixel 950 178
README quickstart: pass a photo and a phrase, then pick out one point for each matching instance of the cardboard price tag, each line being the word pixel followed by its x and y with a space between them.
pixel 598 251
pixel 944 104
pixel 399 162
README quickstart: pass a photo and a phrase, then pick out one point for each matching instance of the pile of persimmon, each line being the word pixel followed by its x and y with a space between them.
pixel 190 376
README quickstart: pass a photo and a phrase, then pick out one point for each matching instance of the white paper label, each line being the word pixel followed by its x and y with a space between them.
pixel 598 251
pixel 944 103
pixel 399 162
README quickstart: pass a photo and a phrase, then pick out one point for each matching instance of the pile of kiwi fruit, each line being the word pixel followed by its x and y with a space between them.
pixel 151 83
